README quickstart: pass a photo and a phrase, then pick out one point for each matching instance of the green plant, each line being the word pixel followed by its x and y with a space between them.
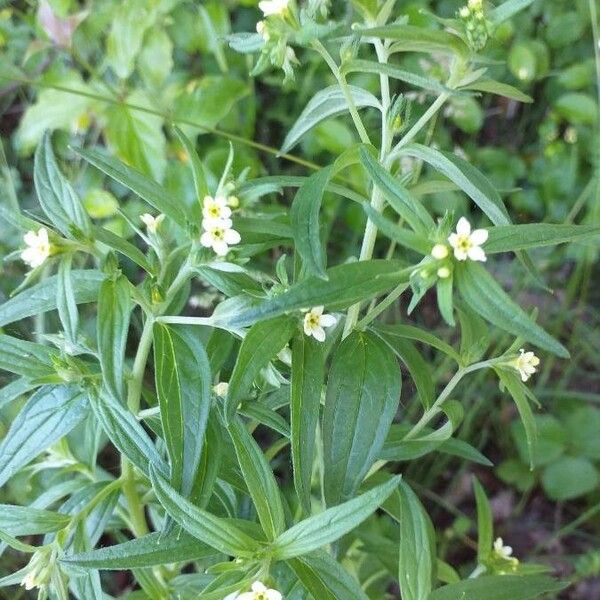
pixel 295 356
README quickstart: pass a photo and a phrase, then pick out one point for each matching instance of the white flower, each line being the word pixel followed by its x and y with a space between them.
pixel 219 235
pixel 439 251
pixel 38 247
pixel 315 320
pixel 215 208
pixel 501 550
pixel 526 364
pixel 221 389
pixel 260 592
pixel 466 243
pixel 464 12
pixel 151 222
pixel 273 7
pixel 475 4
pixel 261 29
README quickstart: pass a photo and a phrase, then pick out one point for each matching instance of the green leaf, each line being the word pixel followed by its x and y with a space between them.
pixel 216 532
pixel 260 480
pixel 317 531
pixel 55 194
pixel 444 299
pixel 363 392
pixel 25 520
pixel 183 378
pixel 417 547
pixel 124 431
pixel 156 58
pixel 41 298
pixel 471 181
pixel 409 38
pixel 14 390
pixel 198 172
pixel 483 294
pixel 27 359
pixel 485 523
pixel 511 238
pixel 369 66
pixel 308 368
pixel 150 550
pixel 409 208
pixel 262 343
pixel 136 136
pixel 492 86
pixel 507 10
pixel 328 102
pixel 345 285
pixel 48 415
pixel 65 300
pixel 114 312
pixel 570 477
pixel 324 578
pixel 304 216
pixel 112 240
pixel 144 187
pixel 499 587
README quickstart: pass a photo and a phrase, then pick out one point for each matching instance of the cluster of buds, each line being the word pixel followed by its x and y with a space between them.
pixel 39 570
pixel 477 29
pixel 217 226
pixel 399 115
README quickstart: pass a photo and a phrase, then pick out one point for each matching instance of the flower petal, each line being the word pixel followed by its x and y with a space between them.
pixel 206 239
pixel 463 227
pixel 220 247
pixel 479 236
pixel 274 595
pixel 319 334
pixel 327 321
pixel 259 586
pixel 232 237
pixel 460 254
pixel 453 240
pixel 476 253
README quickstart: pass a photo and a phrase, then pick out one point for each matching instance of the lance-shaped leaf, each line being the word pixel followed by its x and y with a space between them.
pixel 114 312
pixel 508 9
pixel 485 523
pixel 24 358
pixel 260 480
pixel 65 300
pixel 216 532
pixel 41 298
pixel 499 587
pixel 363 392
pixel 308 367
pixel 485 296
pixel 25 520
pixel 330 525
pixel 491 86
pixel 262 343
pixel 183 385
pixel 55 194
pixel 198 172
pixel 48 415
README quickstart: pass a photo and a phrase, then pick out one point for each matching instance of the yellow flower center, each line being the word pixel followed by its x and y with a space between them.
pixel 464 243
pixel 214 211
pixel 313 320
pixel 218 233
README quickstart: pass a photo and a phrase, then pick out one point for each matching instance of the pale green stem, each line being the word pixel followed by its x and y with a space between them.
pixel 385 303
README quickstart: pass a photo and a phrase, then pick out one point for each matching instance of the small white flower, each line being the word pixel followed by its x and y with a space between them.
pixel 29 582
pixel 221 389
pixel 315 321
pixel 466 243
pixel 443 272
pixel 219 235
pixel 38 247
pixel 260 592
pixel 261 29
pixel 504 552
pixel 152 223
pixel 215 208
pixel 526 364
pixel 464 12
pixel 475 4
pixel 439 251
pixel 273 7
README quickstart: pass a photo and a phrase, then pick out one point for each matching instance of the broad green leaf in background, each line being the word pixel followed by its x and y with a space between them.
pixel 308 367
pixel 56 195
pixel 363 392
pixel 183 379
pixel 156 58
pixel 499 587
pixel 48 415
pixel 570 477
pixel 27 359
pixel 143 186
pixel 485 296
pixel 262 343
pixel 114 312
pixel 345 285
pixel 41 297
pixel 326 103
pixel 150 550
pixel 216 532
pixel 324 578
pixel 417 547
pixel 137 136
pixel 304 216
pixel 485 523
pixel 260 480
pixel 508 9
pixel 321 529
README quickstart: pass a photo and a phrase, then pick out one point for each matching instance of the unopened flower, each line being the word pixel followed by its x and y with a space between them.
pixel 289 59
pixel 233 201
pixel 38 247
pixel 39 569
pixel 526 364
pixel 273 7
pixel 439 251
pixel 443 272
pixel 152 223
pixel 315 321
pixel 221 389
pixel 260 592
pixel 262 30
pixel 215 208
pixel 467 243
pixel 219 235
